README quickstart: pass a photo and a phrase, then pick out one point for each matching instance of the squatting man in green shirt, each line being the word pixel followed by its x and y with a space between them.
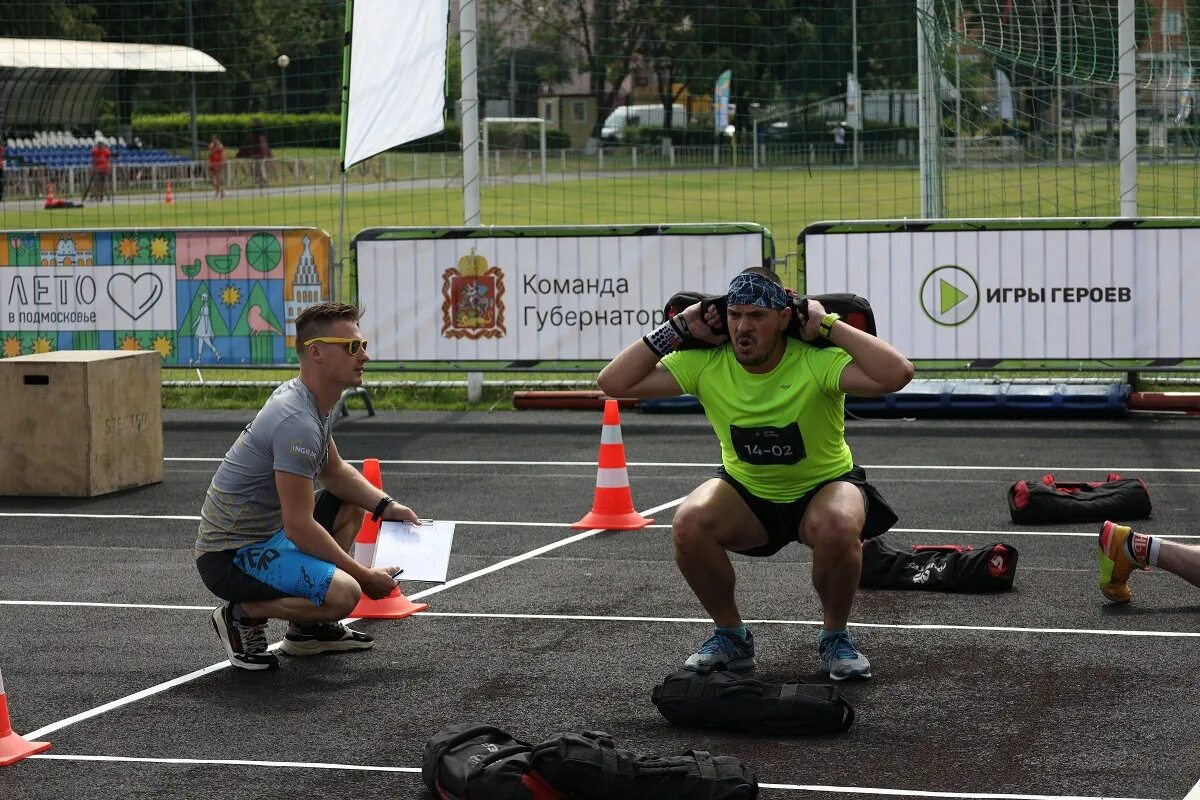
pixel 777 406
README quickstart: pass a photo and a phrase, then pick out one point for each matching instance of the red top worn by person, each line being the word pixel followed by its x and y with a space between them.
pixel 101 158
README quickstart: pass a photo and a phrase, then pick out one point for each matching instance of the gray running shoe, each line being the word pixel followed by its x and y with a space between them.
pixel 723 651
pixel 840 658
pixel 324 637
pixel 245 640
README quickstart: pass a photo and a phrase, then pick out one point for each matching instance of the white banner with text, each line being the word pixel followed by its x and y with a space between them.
pixel 462 295
pixel 1108 293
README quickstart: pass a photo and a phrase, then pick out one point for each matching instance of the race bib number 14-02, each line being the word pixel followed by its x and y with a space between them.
pixel 768 444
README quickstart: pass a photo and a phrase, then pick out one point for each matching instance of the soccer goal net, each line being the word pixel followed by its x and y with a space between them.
pixel 510 145
pixel 1033 86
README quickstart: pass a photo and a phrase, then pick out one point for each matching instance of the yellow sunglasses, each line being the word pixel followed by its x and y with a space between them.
pixel 352 345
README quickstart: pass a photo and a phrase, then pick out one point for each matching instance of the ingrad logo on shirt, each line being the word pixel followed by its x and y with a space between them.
pixel 299 449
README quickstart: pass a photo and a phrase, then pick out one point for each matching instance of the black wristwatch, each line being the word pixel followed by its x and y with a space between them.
pixel 379 509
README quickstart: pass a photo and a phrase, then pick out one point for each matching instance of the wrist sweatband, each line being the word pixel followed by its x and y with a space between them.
pixel 379 509
pixel 664 338
pixel 827 323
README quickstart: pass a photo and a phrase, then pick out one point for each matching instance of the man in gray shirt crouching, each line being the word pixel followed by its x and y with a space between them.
pixel 270 545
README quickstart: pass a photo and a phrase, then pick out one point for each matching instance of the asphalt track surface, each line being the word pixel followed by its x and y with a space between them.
pixel 1042 692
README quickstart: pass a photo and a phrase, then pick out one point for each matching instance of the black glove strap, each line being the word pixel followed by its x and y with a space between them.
pixel 379 509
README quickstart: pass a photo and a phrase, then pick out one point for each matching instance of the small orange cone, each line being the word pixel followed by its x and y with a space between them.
pixel 50 199
pixel 13 748
pixel 612 507
pixel 395 605
pixel 169 197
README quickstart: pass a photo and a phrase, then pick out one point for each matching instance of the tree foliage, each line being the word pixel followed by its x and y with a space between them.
pixel 783 53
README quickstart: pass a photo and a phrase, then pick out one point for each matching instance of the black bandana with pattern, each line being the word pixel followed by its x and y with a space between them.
pixel 750 289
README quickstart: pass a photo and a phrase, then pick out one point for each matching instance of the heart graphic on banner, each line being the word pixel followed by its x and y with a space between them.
pixel 135 296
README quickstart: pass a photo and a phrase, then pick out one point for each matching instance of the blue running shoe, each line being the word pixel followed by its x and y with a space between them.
pixel 840 658
pixel 723 651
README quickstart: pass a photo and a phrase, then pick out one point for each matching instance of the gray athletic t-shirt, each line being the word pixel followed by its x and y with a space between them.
pixel 242 504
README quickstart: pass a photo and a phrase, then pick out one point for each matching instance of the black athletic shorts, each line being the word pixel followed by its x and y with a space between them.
pixel 224 579
pixel 782 520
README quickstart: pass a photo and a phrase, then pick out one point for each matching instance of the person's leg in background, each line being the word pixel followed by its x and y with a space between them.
pixel 1123 550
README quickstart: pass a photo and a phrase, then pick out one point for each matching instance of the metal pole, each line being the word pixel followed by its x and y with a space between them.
pixel 959 147
pixel 854 70
pixel 1058 114
pixel 931 195
pixel 542 147
pixel 754 128
pixel 470 115
pixel 191 42
pixel 1127 107
pixel 512 79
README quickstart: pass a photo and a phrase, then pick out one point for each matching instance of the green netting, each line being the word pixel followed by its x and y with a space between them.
pixel 626 90
pixel 1029 106
pixel 1075 39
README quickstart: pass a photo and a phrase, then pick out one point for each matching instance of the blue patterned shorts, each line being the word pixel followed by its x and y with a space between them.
pixel 281 565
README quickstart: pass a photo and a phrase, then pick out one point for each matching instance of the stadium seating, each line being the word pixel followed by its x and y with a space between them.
pixel 64 149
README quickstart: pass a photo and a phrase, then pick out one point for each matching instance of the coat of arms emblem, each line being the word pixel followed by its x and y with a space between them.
pixel 473 300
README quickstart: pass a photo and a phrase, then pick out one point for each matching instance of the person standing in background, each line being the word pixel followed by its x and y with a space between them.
pixel 258 149
pixel 216 165
pixel 98 186
pixel 839 144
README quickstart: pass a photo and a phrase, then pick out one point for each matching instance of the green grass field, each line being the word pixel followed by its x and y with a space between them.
pixel 784 200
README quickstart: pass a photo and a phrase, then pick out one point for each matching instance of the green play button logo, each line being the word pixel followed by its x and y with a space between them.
pixel 949 295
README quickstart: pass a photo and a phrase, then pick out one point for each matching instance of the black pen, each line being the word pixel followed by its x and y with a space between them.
pixel 396 575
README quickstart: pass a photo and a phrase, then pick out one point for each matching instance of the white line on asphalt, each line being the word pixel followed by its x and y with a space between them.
pixel 184 517
pixel 511 523
pixel 233 762
pixel 939 467
pixel 796 787
pixel 923 793
pixel 915 626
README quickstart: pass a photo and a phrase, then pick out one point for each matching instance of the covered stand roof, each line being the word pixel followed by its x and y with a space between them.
pixel 59 82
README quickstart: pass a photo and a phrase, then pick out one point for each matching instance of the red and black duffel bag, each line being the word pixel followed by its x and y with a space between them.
pixel 940 567
pixel 1049 501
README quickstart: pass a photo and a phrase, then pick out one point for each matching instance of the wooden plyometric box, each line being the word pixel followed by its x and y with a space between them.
pixel 80 423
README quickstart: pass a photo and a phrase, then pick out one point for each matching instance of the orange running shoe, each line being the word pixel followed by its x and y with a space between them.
pixel 1115 564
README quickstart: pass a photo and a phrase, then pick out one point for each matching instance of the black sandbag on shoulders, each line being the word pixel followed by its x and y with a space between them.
pixel 726 700
pixel 589 766
pixel 947 567
pixel 853 309
pixel 1049 501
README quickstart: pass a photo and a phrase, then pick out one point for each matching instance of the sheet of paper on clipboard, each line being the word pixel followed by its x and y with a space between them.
pixel 422 551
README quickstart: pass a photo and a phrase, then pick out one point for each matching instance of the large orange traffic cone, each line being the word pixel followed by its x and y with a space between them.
pixel 395 605
pixel 169 197
pixel 368 534
pixel 612 507
pixel 13 748
pixel 50 199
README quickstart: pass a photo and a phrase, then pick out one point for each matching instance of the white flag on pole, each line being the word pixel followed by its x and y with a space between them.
pixel 1005 91
pixel 397 74
pixel 853 102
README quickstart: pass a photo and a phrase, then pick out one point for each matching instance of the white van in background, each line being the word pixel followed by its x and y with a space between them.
pixel 645 116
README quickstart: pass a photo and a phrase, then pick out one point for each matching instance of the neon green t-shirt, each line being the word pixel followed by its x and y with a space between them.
pixel 781 432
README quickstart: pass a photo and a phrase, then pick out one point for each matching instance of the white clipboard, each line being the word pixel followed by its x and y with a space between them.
pixel 422 551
